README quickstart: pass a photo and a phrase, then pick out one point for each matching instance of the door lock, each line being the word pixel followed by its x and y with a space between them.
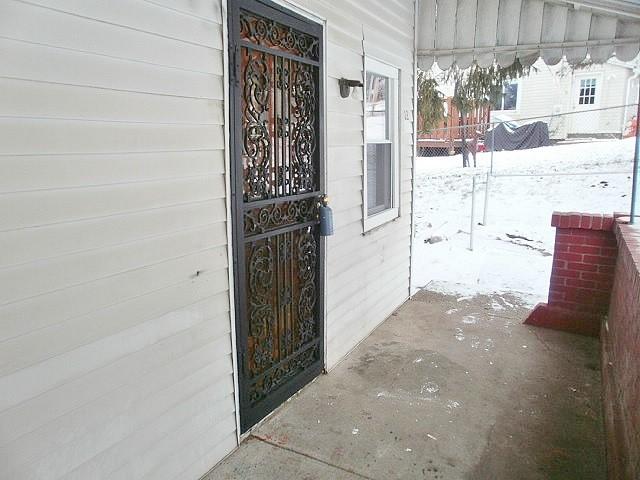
pixel 326 217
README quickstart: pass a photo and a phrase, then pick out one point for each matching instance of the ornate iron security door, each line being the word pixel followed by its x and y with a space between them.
pixel 277 161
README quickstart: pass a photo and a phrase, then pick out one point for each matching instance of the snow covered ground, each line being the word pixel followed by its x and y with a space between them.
pixel 513 252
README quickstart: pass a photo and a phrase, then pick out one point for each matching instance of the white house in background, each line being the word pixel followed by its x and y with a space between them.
pixel 549 92
pixel 163 281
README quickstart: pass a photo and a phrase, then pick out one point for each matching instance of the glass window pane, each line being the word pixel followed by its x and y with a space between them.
pixel 377 114
pixel 379 177
pixel 587 92
pixel 510 96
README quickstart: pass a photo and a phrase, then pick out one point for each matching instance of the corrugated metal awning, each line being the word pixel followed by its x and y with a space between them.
pixel 461 31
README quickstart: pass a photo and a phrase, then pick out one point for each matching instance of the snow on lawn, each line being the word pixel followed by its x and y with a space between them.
pixel 513 252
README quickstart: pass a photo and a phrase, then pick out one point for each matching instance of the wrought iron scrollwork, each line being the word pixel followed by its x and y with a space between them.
pixel 257 145
pixel 279 124
pixel 277 215
pixel 263 31
pixel 261 312
pixel 307 267
pixel 278 335
pixel 283 372
pixel 304 130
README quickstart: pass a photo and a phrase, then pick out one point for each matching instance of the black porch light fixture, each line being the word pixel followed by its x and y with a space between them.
pixel 346 85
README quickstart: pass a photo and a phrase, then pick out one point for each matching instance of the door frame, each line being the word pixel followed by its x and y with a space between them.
pixel 288 7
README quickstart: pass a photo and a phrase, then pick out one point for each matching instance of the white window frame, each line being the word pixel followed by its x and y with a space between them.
pixel 518 97
pixel 596 87
pixel 371 65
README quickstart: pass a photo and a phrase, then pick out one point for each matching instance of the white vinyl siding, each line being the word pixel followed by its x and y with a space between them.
pixel 367 275
pixel 115 357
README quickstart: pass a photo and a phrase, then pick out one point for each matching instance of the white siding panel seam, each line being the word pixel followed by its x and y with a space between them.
pixel 125 90
pixel 109 378
pixel 375 287
pixel 118 152
pixel 395 295
pixel 386 313
pixel 202 447
pixel 133 241
pixel 112 275
pixel 113 184
pixel 112 57
pixel 102 120
pixel 204 18
pixel 211 456
pixel 85 333
pixel 114 152
pixel 178 396
pixel 120 25
pixel 60 369
pixel 213 292
pixel 117 214
pixel 91 418
pixel 207 427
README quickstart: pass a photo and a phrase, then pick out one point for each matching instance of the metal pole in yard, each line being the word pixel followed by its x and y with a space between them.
pixel 493 145
pixel 636 168
pixel 486 192
pixel 486 200
pixel 473 212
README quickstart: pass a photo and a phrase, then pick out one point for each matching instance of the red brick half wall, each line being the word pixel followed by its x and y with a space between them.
pixel 621 360
pixel 584 260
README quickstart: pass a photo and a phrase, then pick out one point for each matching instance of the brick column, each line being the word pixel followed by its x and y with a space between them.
pixel 582 275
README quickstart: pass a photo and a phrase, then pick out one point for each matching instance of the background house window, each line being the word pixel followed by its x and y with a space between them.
pixel 381 172
pixel 506 98
pixel 587 95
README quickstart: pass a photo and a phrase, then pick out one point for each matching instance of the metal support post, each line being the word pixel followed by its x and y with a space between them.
pixel 486 200
pixel 473 213
pixel 493 146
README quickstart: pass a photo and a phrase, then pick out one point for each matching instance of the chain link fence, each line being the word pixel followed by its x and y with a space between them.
pixel 585 123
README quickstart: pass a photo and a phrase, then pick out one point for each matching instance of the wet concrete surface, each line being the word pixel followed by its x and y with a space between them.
pixel 446 388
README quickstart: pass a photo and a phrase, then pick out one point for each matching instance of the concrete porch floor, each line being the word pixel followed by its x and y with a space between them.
pixel 446 388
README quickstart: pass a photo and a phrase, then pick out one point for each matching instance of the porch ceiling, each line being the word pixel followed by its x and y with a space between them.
pixel 461 31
